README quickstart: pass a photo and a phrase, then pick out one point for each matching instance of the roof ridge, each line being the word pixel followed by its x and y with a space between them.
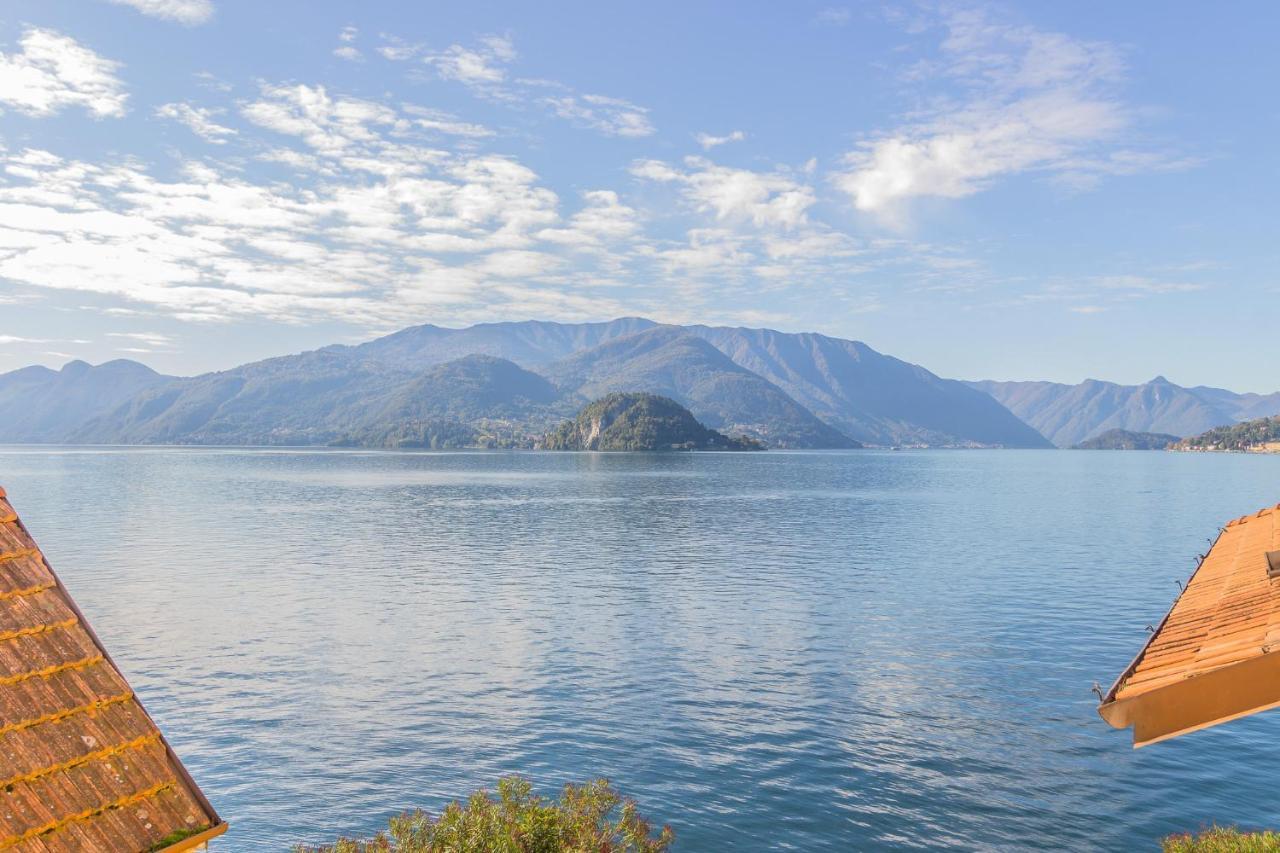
pixel 1265 511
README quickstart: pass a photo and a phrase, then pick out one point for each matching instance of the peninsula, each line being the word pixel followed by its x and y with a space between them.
pixel 640 421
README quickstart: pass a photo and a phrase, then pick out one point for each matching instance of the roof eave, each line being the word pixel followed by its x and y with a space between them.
pixel 194 841
pixel 1200 701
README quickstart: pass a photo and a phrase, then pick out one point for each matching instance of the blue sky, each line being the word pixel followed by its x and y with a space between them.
pixel 1012 191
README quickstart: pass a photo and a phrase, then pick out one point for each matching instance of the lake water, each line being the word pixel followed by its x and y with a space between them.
pixel 810 651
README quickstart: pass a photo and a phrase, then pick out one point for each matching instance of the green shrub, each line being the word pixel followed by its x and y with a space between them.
pixel 1221 839
pixel 591 817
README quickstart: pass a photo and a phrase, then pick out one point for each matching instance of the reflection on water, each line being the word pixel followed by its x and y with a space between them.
pixel 779 650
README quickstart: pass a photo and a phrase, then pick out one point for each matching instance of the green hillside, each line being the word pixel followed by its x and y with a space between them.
pixel 1250 435
pixel 1123 439
pixel 639 421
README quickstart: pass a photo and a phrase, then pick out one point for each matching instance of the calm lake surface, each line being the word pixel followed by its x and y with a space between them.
pixel 810 651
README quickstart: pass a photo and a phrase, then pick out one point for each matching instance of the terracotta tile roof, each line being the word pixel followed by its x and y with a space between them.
pixel 82 765
pixel 1216 655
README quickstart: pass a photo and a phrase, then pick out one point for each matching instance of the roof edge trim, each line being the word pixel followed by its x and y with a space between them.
pixel 1224 694
pixel 194 841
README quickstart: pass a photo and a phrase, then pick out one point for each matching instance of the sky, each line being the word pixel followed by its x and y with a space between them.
pixel 1005 191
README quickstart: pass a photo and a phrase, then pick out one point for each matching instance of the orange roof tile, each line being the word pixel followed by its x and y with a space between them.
pixel 1216 655
pixel 82 765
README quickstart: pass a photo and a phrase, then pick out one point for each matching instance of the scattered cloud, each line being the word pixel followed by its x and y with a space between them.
pixel 482 66
pixel 1141 284
pixel 199 120
pixel 762 198
pixel 396 49
pixel 835 16
pixel 154 339
pixel 383 223
pixel 347 50
pixel 610 116
pixel 188 12
pixel 438 121
pixel 53 71
pixel 1031 102
pixel 1095 294
pixel 707 141
pixel 327 124
pixel 210 81
pixel 752 232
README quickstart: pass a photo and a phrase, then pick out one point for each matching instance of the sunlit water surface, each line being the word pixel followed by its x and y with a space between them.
pixel 810 651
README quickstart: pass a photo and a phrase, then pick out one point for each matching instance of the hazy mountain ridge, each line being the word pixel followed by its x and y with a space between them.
pixel 530 343
pixel 476 400
pixel 1070 414
pixel 669 361
pixel 870 396
pixel 794 390
pixel 308 398
pixel 42 405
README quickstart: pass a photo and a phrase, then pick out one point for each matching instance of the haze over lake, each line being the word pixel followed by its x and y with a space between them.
pixel 811 651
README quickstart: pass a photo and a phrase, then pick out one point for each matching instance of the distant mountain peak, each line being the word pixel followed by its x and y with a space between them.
pixel 1071 414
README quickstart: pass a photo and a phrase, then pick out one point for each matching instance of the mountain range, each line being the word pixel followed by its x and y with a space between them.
pixel 506 384
pixel 501 384
pixel 1070 414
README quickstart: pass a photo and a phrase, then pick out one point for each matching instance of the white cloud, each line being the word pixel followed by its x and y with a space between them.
pixel 1144 285
pixel 53 71
pixel 484 68
pixel 188 12
pixel 1032 101
pixel 478 66
pixel 396 50
pixel 199 120
pixel 347 49
pixel 761 198
pixel 836 16
pixel 610 116
pixel 755 232
pixel 707 141
pixel 211 82
pixel 379 226
pixel 154 339
pixel 603 221
pixel 326 124
pixel 439 121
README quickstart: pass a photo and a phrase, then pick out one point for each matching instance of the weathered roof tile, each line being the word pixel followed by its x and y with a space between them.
pixel 1216 655
pixel 82 765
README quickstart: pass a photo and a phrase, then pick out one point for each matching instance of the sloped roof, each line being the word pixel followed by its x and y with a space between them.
pixel 82 765
pixel 1216 655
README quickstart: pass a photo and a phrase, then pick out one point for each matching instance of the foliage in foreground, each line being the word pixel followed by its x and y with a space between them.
pixel 1220 839
pixel 591 817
